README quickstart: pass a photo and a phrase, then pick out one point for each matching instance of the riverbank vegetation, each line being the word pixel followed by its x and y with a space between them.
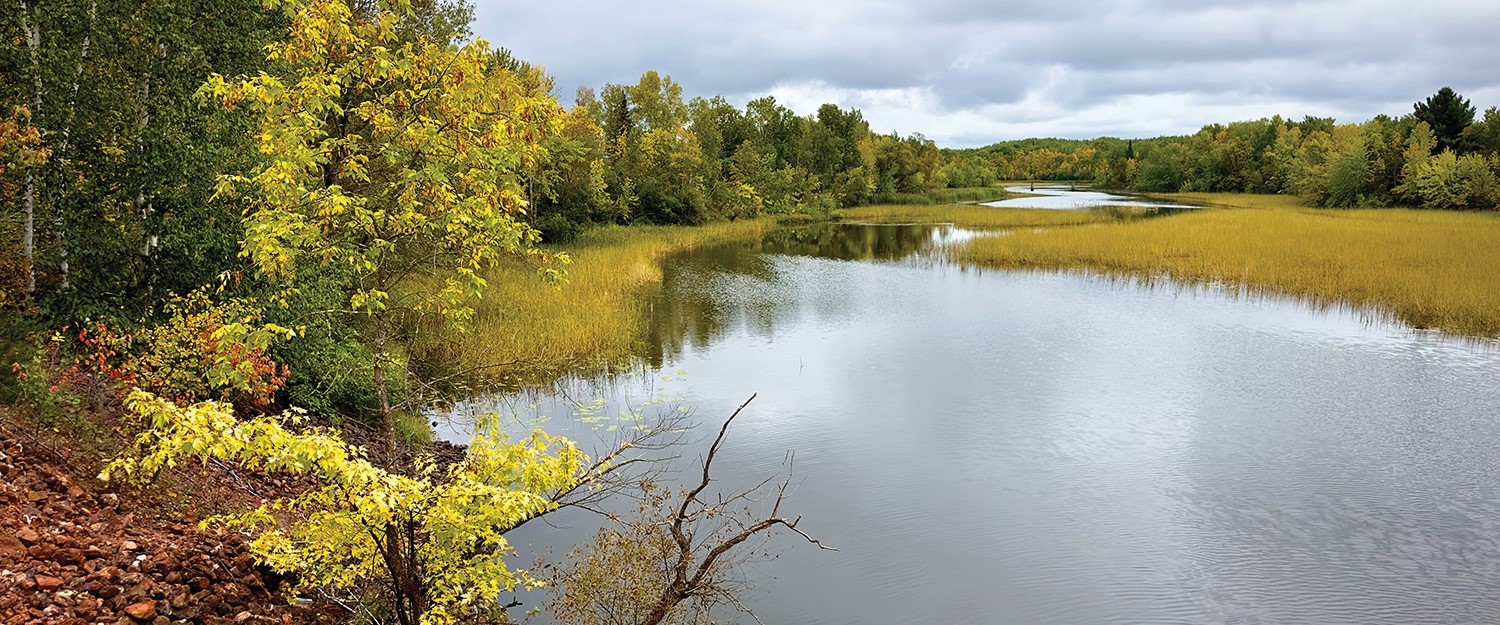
pixel 273 206
pixel 1441 155
pixel 525 333
pixel 345 207
pixel 1431 269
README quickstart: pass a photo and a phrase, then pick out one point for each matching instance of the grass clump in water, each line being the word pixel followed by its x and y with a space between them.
pixel 1430 269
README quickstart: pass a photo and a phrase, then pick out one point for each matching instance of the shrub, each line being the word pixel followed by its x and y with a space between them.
pixel 201 351
pixel 433 543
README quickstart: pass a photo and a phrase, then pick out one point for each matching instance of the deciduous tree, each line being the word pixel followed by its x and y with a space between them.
pixel 433 542
pixel 390 157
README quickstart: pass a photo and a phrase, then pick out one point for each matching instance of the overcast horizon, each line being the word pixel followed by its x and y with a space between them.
pixel 968 73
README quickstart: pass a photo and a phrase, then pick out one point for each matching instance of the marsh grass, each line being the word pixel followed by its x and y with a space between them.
pixel 969 216
pixel 526 331
pixel 968 194
pixel 1430 269
pixel 1262 201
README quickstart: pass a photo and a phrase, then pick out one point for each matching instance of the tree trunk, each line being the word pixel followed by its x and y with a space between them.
pixel 143 202
pixel 659 613
pixel 28 235
pixel 387 416
pixel 143 121
pixel 58 222
pixel 382 336
pixel 400 553
pixel 33 34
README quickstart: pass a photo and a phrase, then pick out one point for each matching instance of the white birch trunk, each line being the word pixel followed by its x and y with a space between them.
pixel 83 55
pixel 33 35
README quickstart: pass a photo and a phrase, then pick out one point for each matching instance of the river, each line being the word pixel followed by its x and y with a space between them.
pixel 1057 448
pixel 1067 198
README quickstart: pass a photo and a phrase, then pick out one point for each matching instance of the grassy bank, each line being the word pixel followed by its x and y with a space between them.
pixel 525 331
pixel 968 194
pixel 969 216
pixel 1431 269
pixel 1234 200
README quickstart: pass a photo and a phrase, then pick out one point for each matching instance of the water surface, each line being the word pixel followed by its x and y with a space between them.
pixel 1064 198
pixel 1045 448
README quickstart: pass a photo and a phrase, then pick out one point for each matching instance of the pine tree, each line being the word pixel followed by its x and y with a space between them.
pixel 1448 114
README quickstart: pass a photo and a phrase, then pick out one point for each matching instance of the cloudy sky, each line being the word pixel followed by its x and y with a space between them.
pixel 970 72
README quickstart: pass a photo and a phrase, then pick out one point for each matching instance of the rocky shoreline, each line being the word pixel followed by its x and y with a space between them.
pixel 71 555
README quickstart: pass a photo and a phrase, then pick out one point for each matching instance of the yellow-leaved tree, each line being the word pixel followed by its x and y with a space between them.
pixel 432 542
pixel 392 156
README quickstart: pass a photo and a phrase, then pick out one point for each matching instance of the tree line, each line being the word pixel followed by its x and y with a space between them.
pixel 214 209
pixel 640 153
pixel 1437 156
pixel 129 177
pixel 219 215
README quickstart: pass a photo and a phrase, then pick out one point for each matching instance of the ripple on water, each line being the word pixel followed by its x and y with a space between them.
pixel 1041 448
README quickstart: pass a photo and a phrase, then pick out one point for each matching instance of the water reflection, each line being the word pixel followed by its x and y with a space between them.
pixel 708 291
pixel 1061 198
pixel 860 241
pixel 1044 448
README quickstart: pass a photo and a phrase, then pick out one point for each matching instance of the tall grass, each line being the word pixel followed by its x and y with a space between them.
pixel 969 216
pixel 942 196
pixel 1430 269
pixel 1234 200
pixel 968 194
pixel 526 331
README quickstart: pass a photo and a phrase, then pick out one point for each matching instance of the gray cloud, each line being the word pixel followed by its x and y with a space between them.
pixel 970 72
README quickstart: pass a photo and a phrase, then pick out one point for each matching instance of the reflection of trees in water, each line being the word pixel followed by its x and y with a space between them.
pixel 850 242
pixel 707 291
pixel 691 308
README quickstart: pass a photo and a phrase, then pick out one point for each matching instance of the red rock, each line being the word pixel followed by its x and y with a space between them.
pixel 165 560
pixel 68 556
pixel 47 583
pixel 11 547
pixel 143 611
pixel 27 535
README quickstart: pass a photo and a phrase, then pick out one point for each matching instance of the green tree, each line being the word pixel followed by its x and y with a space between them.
pixel 1448 114
pixel 391 159
pixel 1419 150
pixel 122 214
pixel 656 165
pixel 1449 180
pixel 1161 170
pixel 1484 136
pixel 1346 185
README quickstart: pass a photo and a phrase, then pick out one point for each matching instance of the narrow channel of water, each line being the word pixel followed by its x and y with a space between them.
pixel 1064 198
pixel 1051 448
